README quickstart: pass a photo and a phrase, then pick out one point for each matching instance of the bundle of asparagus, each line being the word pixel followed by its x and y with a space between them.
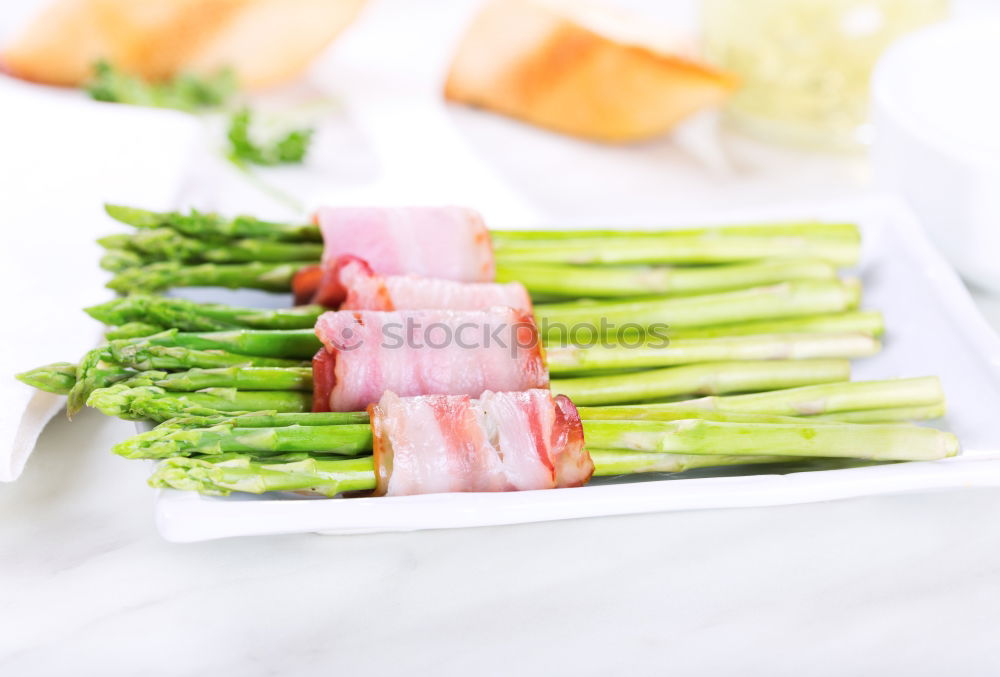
pixel 751 309
pixel 197 430
pixel 776 309
pixel 305 457
pixel 770 342
pixel 171 249
pixel 306 452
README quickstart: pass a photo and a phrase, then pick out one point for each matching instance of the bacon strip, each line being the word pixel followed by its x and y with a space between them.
pixel 324 377
pixel 511 441
pixel 451 243
pixel 352 280
pixel 429 352
pixel 305 284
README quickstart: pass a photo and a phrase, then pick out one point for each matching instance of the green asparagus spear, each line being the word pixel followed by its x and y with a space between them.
pixel 157 404
pixel 681 249
pixel 276 277
pixel 658 353
pixel 209 225
pixel 131 330
pixel 611 281
pixel 886 415
pixel 220 475
pixel 287 344
pixel 116 241
pixel 267 419
pixel 243 378
pixel 344 439
pixel 655 412
pixel 615 462
pixel 240 473
pixel 862 321
pixel 571 321
pixel 694 436
pixel 831 398
pixel 121 260
pixel 167 244
pixel 810 229
pixel 711 377
pixel 57 377
pixel 143 357
pixel 191 316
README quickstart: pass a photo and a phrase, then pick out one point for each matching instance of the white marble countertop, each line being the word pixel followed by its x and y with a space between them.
pixel 895 585
pixel 891 585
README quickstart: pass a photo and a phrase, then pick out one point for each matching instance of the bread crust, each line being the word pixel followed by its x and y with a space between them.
pixel 265 41
pixel 529 61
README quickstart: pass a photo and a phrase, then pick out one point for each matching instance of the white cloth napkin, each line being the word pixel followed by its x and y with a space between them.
pixel 61 157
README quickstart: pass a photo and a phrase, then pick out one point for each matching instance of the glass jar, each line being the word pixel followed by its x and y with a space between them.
pixel 805 64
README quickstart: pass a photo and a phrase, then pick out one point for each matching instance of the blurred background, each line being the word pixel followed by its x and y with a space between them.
pixel 624 111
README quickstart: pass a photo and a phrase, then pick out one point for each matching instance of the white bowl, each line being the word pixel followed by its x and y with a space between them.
pixel 936 110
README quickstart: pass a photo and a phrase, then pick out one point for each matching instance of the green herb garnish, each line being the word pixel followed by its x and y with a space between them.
pixel 288 149
pixel 185 92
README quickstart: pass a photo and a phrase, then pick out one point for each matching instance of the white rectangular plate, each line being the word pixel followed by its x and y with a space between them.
pixel 932 328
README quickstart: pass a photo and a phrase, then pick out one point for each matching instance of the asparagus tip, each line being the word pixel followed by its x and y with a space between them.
pixel 57 377
pixel 133 216
pixel 189 474
pixel 104 312
pixel 114 400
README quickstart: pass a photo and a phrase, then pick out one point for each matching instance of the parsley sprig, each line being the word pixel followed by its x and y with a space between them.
pixel 186 92
pixel 290 148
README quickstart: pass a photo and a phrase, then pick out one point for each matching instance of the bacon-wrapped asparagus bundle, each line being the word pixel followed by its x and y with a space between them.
pixel 210 226
pixel 453 243
pixel 508 442
pixel 153 314
pixel 179 350
pixel 465 353
pixel 135 363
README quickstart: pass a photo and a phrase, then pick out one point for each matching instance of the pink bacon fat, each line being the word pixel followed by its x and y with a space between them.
pixel 451 243
pixel 504 441
pixel 365 290
pixel 427 352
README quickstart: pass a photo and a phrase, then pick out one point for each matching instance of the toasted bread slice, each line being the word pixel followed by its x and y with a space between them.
pixel 580 70
pixel 265 41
